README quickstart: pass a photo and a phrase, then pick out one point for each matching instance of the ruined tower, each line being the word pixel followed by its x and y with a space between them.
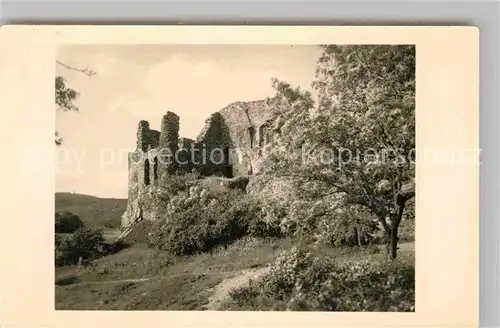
pixel 168 144
pixel 229 145
pixel 146 138
pixel 142 131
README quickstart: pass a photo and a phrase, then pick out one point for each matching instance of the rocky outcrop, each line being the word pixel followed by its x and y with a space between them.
pixel 150 205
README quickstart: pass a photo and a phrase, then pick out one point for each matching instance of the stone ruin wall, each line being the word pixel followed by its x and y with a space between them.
pixel 244 121
pixel 239 129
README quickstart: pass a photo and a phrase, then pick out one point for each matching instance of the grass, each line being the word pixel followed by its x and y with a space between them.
pixel 184 292
pixel 170 283
pixel 348 279
pixel 140 278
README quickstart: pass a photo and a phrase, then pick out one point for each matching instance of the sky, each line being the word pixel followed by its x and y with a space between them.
pixel 143 82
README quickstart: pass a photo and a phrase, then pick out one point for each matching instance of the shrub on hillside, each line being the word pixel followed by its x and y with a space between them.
pixel 347 228
pixel 176 183
pixel 197 222
pixel 116 246
pixel 67 222
pixel 319 221
pixel 300 281
pixel 85 243
pixel 240 182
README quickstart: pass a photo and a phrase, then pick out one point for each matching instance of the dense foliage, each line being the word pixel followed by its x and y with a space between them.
pixel 299 280
pixel 359 140
pixel 67 222
pixel 198 222
pixel 85 243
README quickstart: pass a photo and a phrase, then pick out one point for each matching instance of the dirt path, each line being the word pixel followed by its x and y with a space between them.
pixel 119 281
pixel 221 291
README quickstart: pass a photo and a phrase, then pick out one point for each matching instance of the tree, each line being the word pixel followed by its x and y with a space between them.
pixel 84 243
pixel 360 138
pixel 67 222
pixel 65 96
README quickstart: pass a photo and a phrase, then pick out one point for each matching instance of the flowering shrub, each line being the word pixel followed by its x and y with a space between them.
pixel 298 280
pixel 178 182
pixel 197 221
pixel 295 270
pixel 346 227
pixel 185 199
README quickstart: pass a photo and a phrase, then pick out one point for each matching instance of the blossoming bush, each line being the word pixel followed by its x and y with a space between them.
pixel 176 183
pixel 346 227
pixel 298 280
pixel 197 221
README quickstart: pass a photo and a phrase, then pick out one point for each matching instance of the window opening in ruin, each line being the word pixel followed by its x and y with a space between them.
pixel 263 135
pixel 146 172
pixel 227 168
pixel 251 132
pixel 226 155
pixel 155 170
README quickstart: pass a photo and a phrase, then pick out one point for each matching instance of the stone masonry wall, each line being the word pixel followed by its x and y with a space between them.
pixel 212 147
pixel 243 120
pixel 238 132
pixel 168 144
pixel 146 138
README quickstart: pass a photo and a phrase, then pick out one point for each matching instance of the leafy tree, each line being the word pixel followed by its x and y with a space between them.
pixel 85 243
pixel 359 140
pixel 67 222
pixel 65 96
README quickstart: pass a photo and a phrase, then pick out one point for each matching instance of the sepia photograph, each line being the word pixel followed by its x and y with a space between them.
pixel 235 177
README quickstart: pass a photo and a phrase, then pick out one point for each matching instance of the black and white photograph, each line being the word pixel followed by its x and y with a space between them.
pixel 235 177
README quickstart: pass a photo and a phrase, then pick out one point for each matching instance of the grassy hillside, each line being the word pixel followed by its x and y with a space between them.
pixel 99 213
pixel 141 278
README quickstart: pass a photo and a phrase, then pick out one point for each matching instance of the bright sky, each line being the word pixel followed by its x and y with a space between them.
pixel 143 82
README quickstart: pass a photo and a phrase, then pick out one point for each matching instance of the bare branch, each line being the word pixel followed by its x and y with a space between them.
pixel 85 70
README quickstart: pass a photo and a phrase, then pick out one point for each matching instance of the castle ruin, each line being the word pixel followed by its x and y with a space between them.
pixel 229 145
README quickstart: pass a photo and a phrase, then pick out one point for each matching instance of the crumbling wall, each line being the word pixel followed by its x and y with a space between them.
pixel 154 138
pixel 143 179
pixel 213 147
pixel 186 154
pixel 230 145
pixel 146 137
pixel 135 171
pixel 168 145
pixel 243 120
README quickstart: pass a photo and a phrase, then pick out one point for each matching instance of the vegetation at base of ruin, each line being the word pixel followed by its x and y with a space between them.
pixel 302 281
pixel 176 183
pixel 205 215
pixel 198 222
pixel 97 213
